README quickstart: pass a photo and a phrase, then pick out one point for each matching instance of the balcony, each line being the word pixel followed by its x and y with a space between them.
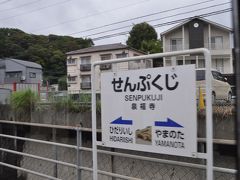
pixel 216 46
pixel 212 46
pixel 85 67
pixel 85 85
pixel 105 66
pixel 178 47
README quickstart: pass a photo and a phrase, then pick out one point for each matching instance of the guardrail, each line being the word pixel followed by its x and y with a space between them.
pixel 78 167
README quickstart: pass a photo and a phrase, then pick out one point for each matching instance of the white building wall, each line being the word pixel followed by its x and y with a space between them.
pixel 74 70
pixel 186 37
pixel 225 52
pixel 172 35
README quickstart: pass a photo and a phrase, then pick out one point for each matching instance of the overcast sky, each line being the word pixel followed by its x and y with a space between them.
pixel 67 17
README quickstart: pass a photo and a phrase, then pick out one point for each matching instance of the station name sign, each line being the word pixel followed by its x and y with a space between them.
pixel 151 110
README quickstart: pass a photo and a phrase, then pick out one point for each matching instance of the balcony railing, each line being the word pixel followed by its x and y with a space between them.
pixel 216 46
pixel 212 46
pixel 173 48
pixel 105 66
pixel 85 85
pixel 85 67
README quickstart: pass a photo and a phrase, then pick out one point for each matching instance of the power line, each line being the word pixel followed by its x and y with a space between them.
pixel 139 17
pixel 158 19
pixel 44 7
pixel 165 24
pixel 22 5
pixel 90 15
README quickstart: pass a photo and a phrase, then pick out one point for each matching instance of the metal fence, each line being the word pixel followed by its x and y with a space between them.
pixel 50 155
pixel 21 86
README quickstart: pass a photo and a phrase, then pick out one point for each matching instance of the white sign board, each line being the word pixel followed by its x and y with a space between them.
pixel 151 110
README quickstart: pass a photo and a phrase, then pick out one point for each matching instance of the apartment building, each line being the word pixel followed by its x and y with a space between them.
pixel 199 33
pixel 79 64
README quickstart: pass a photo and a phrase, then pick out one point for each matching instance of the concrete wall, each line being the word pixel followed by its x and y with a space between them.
pixel 5 96
pixel 223 156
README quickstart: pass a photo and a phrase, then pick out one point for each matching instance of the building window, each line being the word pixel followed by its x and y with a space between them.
pixel 72 78
pixel 85 60
pixel 179 62
pixel 106 56
pixel 85 63
pixel 218 64
pixel 13 74
pixel 176 44
pixel 32 75
pixel 122 55
pixel 217 42
pixel 190 61
pixel 86 82
pixel 168 62
pixel 201 63
pixel 71 61
pixel 86 78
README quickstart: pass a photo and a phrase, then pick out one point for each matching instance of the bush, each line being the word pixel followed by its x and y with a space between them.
pixel 23 102
pixel 67 104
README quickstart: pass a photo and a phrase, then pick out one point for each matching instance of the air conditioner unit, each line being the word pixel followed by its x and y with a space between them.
pixel 23 78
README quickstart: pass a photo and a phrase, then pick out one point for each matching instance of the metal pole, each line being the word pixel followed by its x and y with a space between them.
pixel 79 157
pixel 1 153
pixel 15 134
pixel 209 122
pixel 235 18
pixel 55 157
pixel 94 126
pixel 203 161
pixel 112 163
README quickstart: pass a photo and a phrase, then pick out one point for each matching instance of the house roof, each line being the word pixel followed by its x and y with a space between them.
pixel 100 48
pixel 200 18
pixel 26 63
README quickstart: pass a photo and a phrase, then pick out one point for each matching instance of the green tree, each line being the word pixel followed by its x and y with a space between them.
pixel 139 33
pixel 151 46
pixel 62 83
pixel 49 51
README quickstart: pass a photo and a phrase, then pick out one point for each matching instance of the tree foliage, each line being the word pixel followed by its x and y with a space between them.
pixel 49 51
pixel 62 83
pixel 144 37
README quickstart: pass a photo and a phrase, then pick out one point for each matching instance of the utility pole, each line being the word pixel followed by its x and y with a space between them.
pixel 235 18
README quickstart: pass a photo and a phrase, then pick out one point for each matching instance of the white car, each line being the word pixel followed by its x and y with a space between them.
pixel 221 89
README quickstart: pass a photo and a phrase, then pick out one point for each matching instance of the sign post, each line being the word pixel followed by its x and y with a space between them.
pixel 153 109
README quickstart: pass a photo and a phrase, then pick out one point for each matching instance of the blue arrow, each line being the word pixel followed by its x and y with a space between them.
pixel 168 123
pixel 121 121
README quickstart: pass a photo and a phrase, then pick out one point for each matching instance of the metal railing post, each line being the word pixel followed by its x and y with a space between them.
pixel 1 153
pixel 112 163
pixel 55 157
pixel 15 134
pixel 79 157
pixel 94 125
